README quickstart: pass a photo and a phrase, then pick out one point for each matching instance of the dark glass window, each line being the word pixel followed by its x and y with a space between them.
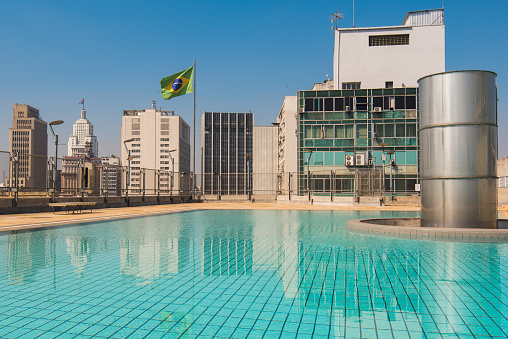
pixel 411 102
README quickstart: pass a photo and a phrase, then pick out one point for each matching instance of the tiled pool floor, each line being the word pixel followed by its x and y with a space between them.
pixel 237 274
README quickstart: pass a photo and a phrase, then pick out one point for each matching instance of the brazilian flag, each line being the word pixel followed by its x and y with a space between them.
pixel 177 84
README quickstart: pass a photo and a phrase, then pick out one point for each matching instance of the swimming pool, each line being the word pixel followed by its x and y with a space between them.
pixel 247 274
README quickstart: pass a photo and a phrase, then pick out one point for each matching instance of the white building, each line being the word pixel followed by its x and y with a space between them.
pixel 154 138
pixel 82 140
pixel 392 56
pixel 264 159
pixel 287 143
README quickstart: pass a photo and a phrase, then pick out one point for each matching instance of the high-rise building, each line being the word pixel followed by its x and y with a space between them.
pixel 365 127
pixel 82 140
pixel 28 140
pixel 159 144
pixel 226 140
pixel 287 144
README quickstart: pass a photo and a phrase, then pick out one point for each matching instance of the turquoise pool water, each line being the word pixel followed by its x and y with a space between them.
pixel 249 274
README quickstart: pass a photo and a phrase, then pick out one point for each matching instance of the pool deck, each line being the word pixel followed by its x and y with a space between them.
pixel 11 222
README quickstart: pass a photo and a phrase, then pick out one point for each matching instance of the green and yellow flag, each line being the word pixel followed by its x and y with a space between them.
pixel 177 84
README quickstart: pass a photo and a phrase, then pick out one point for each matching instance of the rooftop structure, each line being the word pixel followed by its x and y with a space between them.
pixel 390 56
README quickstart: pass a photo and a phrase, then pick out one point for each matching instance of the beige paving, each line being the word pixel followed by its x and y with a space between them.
pixel 12 222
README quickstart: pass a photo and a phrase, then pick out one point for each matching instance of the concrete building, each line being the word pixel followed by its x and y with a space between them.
pixel 371 112
pixel 226 140
pixel 265 159
pixel 287 144
pixel 159 144
pixel 80 172
pixel 28 140
pixel 392 56
pixel 111 176
pixel 82 140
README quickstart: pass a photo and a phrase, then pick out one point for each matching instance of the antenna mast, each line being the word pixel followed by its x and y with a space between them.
pixel 336 17
pixel 353 13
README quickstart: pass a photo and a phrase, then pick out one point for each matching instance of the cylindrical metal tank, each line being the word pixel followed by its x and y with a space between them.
pixel 458 149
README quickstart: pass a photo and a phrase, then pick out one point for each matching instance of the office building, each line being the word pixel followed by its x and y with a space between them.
pixel 159 145
pixel 82 140
pixel 287 145
pixel 226 140
pixel 28 143
pixel 371 112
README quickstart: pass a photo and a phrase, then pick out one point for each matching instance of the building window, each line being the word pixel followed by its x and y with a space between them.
pixel 389 40
pixel 389 84
pixel 351 85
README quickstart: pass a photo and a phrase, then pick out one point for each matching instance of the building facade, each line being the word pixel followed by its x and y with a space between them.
pixel 82 140
pixel 265 159
pixel 343 134
pixel 360 136
pixel 111 176
pixel 226 140
pixel 28 144
pixel 79 172
pixel 393 56
pixel 287 145
pixel 159 144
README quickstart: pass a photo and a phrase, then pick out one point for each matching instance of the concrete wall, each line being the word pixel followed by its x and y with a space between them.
pixel 356 61
pixel 287 146
pixel 264 159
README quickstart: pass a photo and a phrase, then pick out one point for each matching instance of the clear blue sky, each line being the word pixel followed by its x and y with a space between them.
pixel 249 54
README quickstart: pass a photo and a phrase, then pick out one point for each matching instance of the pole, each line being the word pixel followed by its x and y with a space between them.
pixel 391 184
pixel 128 170
pixel 55 164
pixel 194 136
pixel 248 179
pixel 308 175
pixel 172 171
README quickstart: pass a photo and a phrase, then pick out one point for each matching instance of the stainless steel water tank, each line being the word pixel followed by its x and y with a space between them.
pixel 458 147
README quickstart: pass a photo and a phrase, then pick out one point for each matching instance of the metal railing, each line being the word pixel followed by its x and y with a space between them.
pixel 91 178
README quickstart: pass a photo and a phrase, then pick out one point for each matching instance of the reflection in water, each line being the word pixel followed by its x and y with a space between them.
pixel 79 250
pixel 27 253
pixel 291 264
pixel 226 256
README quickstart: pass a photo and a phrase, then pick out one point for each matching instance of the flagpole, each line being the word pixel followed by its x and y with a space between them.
pixel 194 137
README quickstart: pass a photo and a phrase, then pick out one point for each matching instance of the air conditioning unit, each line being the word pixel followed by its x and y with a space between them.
pixel 300 110
pixel 360 159
pixel 348 108
pixel 350 160
pixel 377 109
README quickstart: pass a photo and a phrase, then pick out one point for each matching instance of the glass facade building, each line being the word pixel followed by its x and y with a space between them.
pixel 226 152
pixel 343 134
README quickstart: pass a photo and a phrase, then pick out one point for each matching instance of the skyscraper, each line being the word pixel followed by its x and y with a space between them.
pixel 226 140
pixel 28 140
pixel 82 140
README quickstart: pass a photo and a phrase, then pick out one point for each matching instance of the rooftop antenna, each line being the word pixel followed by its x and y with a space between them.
pixel 353 13
pixel 153 103
pixel 336 17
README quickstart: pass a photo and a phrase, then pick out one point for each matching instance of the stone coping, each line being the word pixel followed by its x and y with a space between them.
pixel 409 228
